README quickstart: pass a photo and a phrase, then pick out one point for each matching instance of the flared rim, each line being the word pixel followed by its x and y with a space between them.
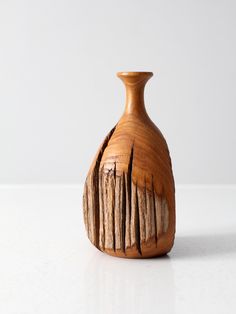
pixel 134 73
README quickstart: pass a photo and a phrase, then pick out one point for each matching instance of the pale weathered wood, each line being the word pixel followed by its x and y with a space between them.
pixel 129 194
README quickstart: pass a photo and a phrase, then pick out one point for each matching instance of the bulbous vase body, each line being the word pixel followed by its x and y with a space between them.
pixel 129 193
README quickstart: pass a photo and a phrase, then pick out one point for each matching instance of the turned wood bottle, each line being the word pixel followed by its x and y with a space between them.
pixel 129 193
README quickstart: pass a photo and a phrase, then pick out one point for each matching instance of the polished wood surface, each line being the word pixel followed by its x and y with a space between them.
pixel 129 193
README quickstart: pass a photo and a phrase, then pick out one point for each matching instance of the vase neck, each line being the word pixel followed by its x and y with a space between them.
pixel 135 83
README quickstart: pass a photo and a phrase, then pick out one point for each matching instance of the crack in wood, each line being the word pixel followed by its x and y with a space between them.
pixel 137 225
pixel 123 218
pixel 128 194
pixel 155 210
pixel 145 209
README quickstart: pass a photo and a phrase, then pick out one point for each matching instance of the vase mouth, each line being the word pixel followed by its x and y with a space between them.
pixel 134 74
pixel 135 78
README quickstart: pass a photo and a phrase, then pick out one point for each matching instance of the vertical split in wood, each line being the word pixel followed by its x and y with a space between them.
pixel 154 211
pixel 128 187
pixel 123 213
pixel 133 218
pixel 142 209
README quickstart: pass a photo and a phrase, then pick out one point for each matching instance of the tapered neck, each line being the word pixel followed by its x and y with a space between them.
pixel 135 83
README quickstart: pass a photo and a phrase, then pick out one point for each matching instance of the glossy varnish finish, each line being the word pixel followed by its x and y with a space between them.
pixel 129 194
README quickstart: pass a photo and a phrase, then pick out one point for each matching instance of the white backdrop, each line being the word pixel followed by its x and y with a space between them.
pixel 59 94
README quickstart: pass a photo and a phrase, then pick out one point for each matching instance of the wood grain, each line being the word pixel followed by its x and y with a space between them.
pixel 129 193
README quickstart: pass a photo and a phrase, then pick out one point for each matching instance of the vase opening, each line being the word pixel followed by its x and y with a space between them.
pixel 131 78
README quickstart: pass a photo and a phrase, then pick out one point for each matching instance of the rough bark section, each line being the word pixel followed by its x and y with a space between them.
pixel 151 230
pixel 92 205
pixel 142 213
pixel 149 209
pixel 154 212
pixel 119 214
pixel 92 210
pixel 133 215
pixel 165 215
pixel 86 207
pixel 158 206
pixel 123 213
pixel 135 220
pixel 109 201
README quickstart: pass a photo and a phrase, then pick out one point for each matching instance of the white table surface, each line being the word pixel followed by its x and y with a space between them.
pixel 48 266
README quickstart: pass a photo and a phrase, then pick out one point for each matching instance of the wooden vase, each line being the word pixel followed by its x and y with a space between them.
pixel 129 193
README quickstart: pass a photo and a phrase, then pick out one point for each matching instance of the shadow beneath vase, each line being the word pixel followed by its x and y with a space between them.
pixel 204 246
pixel 118 285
